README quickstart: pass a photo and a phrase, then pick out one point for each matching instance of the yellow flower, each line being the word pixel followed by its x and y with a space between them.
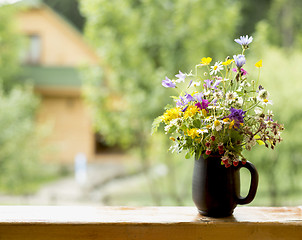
pixel 216 123
pixel 192 133
pixel 226 120
pixel 191 111
pixel 171 114
pixel 232 124
pixel 259 64
pixel 204 112
pixel 206 61
pixel 228 62
pixel 173 139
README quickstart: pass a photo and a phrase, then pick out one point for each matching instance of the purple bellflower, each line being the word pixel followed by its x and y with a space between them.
pixel 180 77
pixel 199 96
pixel 189 97
pixel 209 84
pixel 168 83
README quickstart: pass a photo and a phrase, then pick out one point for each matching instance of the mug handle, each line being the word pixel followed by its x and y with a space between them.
pixel 254 183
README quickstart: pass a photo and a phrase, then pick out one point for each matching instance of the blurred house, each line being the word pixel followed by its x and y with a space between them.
pixel 55 51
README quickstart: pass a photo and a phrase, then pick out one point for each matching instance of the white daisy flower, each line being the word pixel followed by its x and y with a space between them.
pixel 266 102
pixel 217 125
pixel 195 84
pixel 263 94
pixel 216 68
pixel 208 119
pixel 218 95
pixel 231 96
pixel 202 131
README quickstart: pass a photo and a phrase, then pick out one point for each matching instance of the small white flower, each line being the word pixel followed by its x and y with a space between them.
pixel 263 94
pixel 258 110
pixel 202 131
pixel 231 96
pixel 216 68
pixel 266 102
pixel 239 101
pixel 217 95
pixel 245 84
pixel 270 113
pixel 217 125
pixel 195 84
pixel 207 93
pixel 208 119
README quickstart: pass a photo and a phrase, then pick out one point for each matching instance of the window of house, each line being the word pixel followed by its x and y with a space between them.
pixel 32 53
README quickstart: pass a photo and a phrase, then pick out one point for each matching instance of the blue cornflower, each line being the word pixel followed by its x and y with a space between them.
pixel 239 60
pixel 168 83
pixel 244 41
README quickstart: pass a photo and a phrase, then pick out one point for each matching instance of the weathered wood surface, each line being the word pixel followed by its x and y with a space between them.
pixel 58 222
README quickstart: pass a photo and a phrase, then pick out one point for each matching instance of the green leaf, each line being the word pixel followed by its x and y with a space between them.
pixel 172 129
pixel 155 124
pixel 188 155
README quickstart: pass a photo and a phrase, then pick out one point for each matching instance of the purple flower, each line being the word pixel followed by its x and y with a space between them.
pixel 243 72
pixel 199 97
pixel 208 83
pixel 239 60
pixel 185 108
pixel 198 105
pixel 189 98
pixel 168 83
pixel 237 115
pixel 181 77
pixel 216 83
pixel 181 102
pixel 244 41
pixel 205 103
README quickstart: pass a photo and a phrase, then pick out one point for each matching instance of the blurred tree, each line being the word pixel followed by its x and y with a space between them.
pixel 70 10
pixel 9 49
pixel 140 41
pixel 285 23
pixel 18 139
pixel 252 11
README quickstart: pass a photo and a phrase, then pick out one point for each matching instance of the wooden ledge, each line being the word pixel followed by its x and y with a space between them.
pixel 58 222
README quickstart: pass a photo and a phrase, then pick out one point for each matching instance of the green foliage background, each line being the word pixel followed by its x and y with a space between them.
pixel 19 138
pixel 140 42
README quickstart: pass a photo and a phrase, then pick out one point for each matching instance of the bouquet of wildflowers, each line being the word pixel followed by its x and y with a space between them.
pixel 219 111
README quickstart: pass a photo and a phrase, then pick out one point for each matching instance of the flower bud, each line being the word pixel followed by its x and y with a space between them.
pixel 208 151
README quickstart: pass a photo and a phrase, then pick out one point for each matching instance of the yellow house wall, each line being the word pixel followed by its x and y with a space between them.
pixel 61 44
pixel 70 125
pixel 65 113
